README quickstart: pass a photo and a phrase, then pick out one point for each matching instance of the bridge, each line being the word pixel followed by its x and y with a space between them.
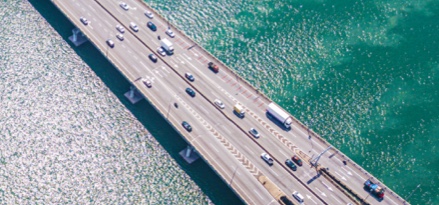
pixel 218 135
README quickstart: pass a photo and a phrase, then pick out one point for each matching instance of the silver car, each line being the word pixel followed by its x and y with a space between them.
pixel 254 132
pixel 147 83
pixel 134 27
pixel 124 6
pixel 120 28
pixel 161 51
pixel 149 14
pixel 170 33
pixel 120 36
pixel 219 103
pixel 84 20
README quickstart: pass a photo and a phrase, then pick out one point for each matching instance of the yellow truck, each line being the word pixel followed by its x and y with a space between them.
pixel 239 110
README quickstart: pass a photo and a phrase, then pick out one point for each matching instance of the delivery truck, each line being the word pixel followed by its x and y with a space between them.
pixel 167 46
pixel 280 115
pixel 239 110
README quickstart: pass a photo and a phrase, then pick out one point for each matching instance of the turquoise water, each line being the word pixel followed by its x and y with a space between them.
pixel 363 74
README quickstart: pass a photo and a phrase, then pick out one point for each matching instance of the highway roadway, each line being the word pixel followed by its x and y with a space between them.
pixel 218 135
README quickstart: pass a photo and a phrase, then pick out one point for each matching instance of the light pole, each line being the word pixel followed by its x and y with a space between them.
pixel 309 135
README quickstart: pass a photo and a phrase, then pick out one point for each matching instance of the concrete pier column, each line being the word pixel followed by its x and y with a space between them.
pixel 188 151
pixel 77 37
pixel 189 154
pixel 133 95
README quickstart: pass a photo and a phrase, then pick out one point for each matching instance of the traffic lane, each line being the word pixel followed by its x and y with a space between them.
pixel 126 17
pixel 120 46
pixel 281 152
pixel 136 52
pixel 219 160
pixel 162 24
pixel 74 14
pixel 335 165
pixel 198 104
pixel 276 173
pixel 199 133
pixel 274 151
pixel 261 152
pixel 300 138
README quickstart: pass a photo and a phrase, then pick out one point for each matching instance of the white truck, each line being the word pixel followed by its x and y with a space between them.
pixel 167 45
pixel 280 115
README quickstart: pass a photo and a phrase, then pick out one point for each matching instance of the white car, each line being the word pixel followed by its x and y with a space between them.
pixel 147 83
pixel 119 36
pixel 161 51
pixel 134 27
pixel 110 43
pixel 124 6
pixel 219 103
pixel 170 33
pixel 267 158
pixel 84 20
pixel 298 196
pixel 120 28
pixel 149 14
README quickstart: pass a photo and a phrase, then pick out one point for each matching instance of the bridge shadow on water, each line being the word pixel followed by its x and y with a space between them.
pixel 211 184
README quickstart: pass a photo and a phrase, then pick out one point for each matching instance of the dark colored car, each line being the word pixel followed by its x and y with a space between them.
pixel 190 92
pixel 290 164
pixel 297 160
pixel 213 67
pixel 151 26
pixel 186 126
pixel 153 58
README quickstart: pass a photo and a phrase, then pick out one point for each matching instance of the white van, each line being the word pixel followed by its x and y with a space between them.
pixel 298 196
pixel 134 27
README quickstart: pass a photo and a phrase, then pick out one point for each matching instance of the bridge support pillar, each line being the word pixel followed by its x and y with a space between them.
pixel 189 154
pixel 78 37
pixel 133 95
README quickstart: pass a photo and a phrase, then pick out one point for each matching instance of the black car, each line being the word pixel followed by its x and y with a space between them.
pixel 110 43
pixel 186 126
pixel 153 58
pixel 151 26
pixel 290 164
pixel 190 92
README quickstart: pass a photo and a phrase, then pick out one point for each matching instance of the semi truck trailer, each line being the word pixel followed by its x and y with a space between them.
pixel 280 115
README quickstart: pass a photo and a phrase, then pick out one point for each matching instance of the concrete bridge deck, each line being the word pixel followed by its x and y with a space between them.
pixel 219 136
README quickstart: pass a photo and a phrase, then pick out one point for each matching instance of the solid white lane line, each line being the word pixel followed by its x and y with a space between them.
pixel 213 147
pixel 257 193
